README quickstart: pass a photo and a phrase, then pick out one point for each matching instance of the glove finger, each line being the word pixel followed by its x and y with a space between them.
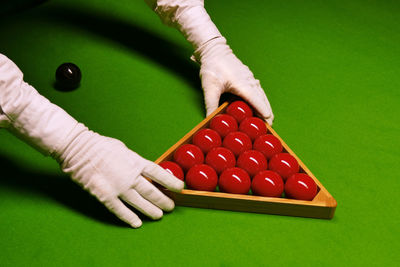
pixel 122 212
pixel 261 107
pixel 270 121
pixel 162 177
pixel 270 118
pixel 212 92
pixel 152 194
pixel 211 100
pixel 258 100
pixel 134 199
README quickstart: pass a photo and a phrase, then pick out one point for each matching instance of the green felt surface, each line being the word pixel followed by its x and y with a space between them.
pixel 330 70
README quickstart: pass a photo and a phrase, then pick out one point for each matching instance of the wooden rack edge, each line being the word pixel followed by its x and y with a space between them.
pixel 322 206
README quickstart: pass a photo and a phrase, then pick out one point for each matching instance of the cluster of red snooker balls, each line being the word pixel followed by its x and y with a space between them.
pixel 236 154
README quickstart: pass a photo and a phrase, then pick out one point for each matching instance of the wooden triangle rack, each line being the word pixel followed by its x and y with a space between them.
pixel 322 206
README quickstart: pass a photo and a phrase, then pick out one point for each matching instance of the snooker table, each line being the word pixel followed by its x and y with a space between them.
pixel 330 71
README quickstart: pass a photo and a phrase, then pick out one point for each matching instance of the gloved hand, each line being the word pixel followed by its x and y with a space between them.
pixel 220 71
pixel 103 166
pixel 110 171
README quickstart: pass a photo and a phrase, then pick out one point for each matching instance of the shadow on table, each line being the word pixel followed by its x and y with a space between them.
pixel 56 187
pixel 127 33
pixel 169 55
pixel 9 7
pixel 165 53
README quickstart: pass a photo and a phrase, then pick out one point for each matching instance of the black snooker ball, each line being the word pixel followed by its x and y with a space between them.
pixel 68 76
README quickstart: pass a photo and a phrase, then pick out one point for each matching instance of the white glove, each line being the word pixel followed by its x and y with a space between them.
pixel 110 171
pixel 221 71
pixel 104 166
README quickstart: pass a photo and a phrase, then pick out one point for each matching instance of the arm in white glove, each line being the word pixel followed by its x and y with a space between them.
pixel 220 71
pixel 103 166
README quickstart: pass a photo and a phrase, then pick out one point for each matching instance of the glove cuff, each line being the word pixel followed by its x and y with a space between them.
pixel 197 26
pixel 211 49
pixel 30 116
pixel 189 17
pixel 43 125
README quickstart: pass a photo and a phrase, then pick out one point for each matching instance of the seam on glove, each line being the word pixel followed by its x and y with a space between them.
pixel 63 143
pixel 179 10
pixel 197 53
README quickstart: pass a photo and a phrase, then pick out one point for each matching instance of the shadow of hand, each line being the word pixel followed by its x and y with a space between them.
pixel 58 188
pixel 167 54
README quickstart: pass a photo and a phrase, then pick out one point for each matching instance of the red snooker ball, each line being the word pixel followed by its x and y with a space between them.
pixel 206 139
pixel 188 155
pixel 268 144
pixel 267 184
pixel 284 164
pixel 234 180
pixel 300 186
pixel 224 124
pixel 173 169
pixel 220 158
pixel 202 177
pixel 239 110
pixel 237 142
pixel 253 127
pixel 252 161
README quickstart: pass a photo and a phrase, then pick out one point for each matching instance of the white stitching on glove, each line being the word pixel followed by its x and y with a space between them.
pixel 104 166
